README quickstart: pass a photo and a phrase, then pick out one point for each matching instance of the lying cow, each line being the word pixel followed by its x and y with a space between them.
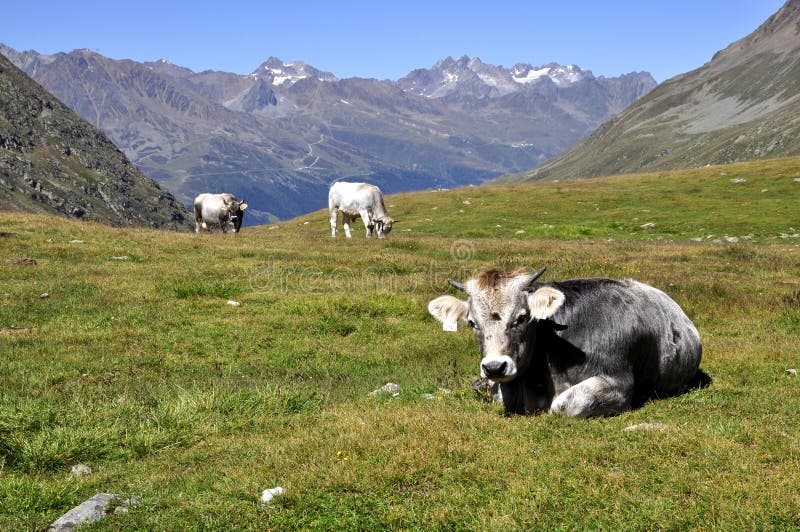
pixel 582 347
pixel 218 210
pixel 359 199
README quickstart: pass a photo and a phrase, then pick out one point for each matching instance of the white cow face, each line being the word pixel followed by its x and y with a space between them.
pixel 502 312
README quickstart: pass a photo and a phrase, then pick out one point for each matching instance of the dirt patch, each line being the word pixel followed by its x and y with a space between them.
pixel 16 330
pixel 23 260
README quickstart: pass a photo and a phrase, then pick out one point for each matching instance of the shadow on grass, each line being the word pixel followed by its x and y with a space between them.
pixel 485 390
pixel 700 380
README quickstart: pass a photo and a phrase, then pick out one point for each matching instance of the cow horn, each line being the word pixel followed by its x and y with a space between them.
pixel 538 273
pixel 458 285
pixel 527 280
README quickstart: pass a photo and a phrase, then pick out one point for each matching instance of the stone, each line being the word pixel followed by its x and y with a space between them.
pixel 389 387
pixel 80 470
pixel 91 510
pixel 268 494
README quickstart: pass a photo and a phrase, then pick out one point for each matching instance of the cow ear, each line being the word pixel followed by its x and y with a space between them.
pixel 243 206
pixel 545 302
pixel 448 309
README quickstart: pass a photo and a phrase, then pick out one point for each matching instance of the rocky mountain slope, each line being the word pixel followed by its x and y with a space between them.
pixel 744 104
pixel 280 135
pixel 53 161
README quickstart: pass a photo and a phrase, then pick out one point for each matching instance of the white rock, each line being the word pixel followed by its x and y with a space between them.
pixel 120 257
pixel 519 232
pixel 647 225
pixel 44 295
pixel 791 371
pixel 234 303
pixel 80 470
pixel 738 180
pixel 76 241
pixel 268 494
pixel 389 387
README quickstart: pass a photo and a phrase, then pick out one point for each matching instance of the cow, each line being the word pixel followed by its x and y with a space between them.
pixel 580 347
pixel 359 199
pixel 218 210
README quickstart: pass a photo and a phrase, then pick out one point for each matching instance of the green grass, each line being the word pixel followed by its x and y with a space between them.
pixel 141 369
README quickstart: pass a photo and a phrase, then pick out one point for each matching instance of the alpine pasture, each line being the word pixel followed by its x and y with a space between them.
pixel 120 350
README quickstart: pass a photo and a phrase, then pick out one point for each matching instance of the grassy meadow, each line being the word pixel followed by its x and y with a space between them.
pixel 140 368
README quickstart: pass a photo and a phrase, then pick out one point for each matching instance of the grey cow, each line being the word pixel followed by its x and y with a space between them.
pixel 218 210
pixel 359 199
pixel 581 347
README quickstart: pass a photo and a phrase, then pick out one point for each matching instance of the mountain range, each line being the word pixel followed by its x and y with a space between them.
pixel 54 162
pixel 743 104
pixel 282 134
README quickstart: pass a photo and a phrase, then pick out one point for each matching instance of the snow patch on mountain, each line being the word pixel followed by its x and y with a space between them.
pixel 482 79
pixel 283 74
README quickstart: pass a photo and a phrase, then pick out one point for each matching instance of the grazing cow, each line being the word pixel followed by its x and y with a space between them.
pixel 218 210
pixel 359 199
pixel 581 347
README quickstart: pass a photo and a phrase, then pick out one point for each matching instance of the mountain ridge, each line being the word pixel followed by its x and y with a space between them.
pixel 53 161
pixel 743 104
pixel 281 134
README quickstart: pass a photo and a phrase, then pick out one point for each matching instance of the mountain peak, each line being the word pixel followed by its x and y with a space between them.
pixel 470 75
pixel 741 105
pixel 279 73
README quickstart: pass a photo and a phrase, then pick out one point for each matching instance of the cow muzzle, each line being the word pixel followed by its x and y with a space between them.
pixel 498 368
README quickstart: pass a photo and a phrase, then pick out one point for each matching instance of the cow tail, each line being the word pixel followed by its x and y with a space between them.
pixel 198 215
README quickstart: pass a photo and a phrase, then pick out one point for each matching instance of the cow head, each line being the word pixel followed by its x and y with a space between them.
pixel 503 309
pixel 235 210
pixel 383 226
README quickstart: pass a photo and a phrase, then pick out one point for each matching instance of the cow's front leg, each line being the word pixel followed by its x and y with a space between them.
pixel 223 224
pixel 334 216
pixel 346 224
pixel 595 396
pixel 367 219
pixel 519 397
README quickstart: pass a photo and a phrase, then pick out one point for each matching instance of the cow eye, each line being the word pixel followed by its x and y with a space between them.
pixel 521 320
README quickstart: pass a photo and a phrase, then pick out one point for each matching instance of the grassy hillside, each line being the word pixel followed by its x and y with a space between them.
pixel 140 368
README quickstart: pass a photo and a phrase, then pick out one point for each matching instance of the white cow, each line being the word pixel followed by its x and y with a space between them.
pixel 359 199
pixel 218 210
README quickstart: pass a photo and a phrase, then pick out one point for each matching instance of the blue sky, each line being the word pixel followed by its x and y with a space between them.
pixel 386 40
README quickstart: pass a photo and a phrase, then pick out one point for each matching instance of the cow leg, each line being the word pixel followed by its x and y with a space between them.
pixel 365 217
pixel 519 397
pixel 595 396
pixel 334 216
pixel 346 224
